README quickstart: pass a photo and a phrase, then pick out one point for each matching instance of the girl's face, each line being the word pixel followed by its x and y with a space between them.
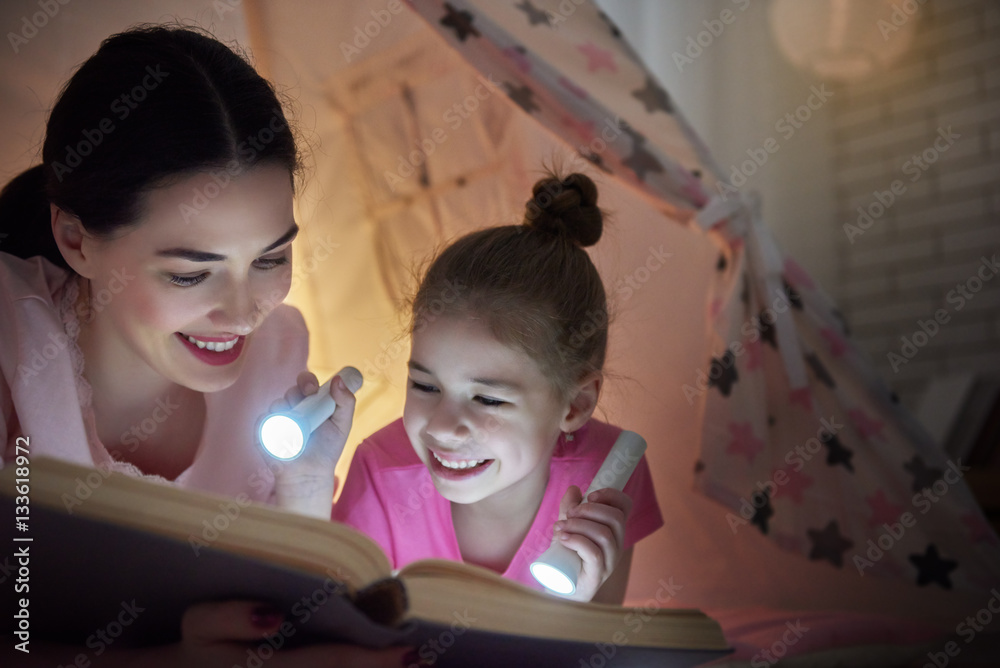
pixel 479 414
pixel 182 292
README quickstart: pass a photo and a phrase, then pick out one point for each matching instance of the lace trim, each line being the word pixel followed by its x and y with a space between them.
pixel 71 325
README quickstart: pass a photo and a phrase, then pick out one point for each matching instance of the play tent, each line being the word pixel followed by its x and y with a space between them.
pixel 795 490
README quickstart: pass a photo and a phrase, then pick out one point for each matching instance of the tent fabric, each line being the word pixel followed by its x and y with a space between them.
pixel 416 134
pixel 877 476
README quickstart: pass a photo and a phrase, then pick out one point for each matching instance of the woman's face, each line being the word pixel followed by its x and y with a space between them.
pixel 182 292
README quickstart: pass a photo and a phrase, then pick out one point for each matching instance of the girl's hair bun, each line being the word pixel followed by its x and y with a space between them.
pixel 566 207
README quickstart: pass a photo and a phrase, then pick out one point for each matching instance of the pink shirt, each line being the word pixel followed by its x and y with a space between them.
pixel 389 495
pixel 44 396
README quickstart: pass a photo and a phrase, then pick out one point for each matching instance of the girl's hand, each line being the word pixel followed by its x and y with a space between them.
pixel 307 484
pixel 595 529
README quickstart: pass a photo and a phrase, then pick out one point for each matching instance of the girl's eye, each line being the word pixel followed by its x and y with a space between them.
pixel 421 387
pixel 488 401
pixel 271 262
pixel 187 281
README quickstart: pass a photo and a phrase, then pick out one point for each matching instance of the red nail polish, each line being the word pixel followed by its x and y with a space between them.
pixel 265 617
pixel 413 660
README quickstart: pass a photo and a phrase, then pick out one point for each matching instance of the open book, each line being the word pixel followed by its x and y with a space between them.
pixel 118 559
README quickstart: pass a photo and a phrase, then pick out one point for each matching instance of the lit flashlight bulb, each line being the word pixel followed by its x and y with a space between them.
pixel 559 567
pixel 284 435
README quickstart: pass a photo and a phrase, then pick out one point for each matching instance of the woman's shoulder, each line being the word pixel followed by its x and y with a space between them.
pixel 30 278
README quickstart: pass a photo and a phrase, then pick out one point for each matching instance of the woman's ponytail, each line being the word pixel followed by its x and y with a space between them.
pixel 25 221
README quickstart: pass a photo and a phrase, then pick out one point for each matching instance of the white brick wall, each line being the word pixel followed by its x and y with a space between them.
pixel 933 235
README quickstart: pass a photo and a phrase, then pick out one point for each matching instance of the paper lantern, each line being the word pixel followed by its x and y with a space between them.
pixel 844 40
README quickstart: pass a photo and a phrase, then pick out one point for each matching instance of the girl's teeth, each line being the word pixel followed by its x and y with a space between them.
pixel 214 346
pixel 462 464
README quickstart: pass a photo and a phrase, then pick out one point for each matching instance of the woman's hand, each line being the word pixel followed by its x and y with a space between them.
pixel 307 484
pixel 595 529
pixel 226 634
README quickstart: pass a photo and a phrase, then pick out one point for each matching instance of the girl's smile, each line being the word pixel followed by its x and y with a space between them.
pixel 480 414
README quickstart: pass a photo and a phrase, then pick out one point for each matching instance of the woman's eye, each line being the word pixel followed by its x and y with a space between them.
pixel 489 401
pixel 422 387
pixel 271 262
pixel 187 281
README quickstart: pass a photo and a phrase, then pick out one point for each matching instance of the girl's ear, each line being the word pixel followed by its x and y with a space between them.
pixel 583 403
pixel 72 240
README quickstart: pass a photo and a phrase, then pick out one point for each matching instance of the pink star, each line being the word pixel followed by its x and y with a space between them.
pixel 883 510
pixel 796 483
pixel 753 355
pixel 865 425
pixel 978 527
pixel 521 60
pixel 801 396
pixel 573 88
pixel 744 442
pixel 836 342
pixel 715 307
pixel 597 57
pixel 797 276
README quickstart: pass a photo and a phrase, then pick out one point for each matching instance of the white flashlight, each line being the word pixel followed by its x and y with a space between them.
pixel 284 435
pixel 559 567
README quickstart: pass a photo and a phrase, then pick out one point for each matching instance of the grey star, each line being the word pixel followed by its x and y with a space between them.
pixel 522 97
pixel 641 160
pixel 829 544
pixel 822 375
pixel 653 97
pixel 922 475
pixel 535 16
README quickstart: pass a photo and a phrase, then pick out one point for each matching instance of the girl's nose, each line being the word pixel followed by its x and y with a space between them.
pixel 446 424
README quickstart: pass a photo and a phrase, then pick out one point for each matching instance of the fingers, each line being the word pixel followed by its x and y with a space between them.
pixel 595 529
pixel 570 499
pixel 229 621
pixel 343 417
pixel 306 384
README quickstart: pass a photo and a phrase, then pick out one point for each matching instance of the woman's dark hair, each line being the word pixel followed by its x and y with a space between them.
pixel 532 284
pixel 153 104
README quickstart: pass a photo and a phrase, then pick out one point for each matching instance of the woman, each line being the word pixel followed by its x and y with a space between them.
pixel 144 266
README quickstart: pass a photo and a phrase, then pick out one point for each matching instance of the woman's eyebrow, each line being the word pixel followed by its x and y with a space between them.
pixel 204 256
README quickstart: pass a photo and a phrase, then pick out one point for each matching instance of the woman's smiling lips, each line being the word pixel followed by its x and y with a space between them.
pixel 214 350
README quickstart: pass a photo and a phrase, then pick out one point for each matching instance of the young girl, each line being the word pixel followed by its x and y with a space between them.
pixel 509 332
